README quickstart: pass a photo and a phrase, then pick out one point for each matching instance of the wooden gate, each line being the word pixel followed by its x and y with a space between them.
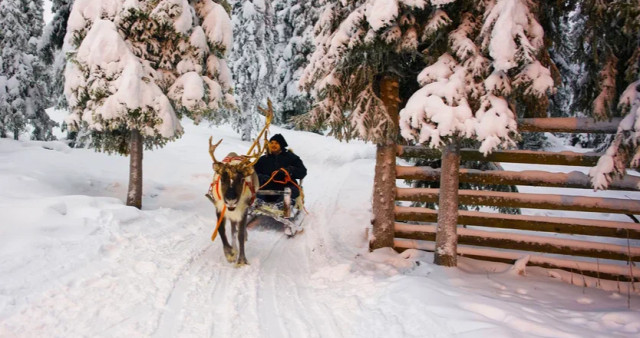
pixel 595 247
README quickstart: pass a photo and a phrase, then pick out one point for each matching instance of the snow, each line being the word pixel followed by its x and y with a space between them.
pixel 217 25
pixel 509 25
pixel 381 13
pixel 75 261
pixel 47 14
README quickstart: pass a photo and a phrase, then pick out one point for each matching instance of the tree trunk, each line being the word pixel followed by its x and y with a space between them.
pixel 134 195
pixel 384 185
pixel 384 192
pixel 446 235
pixel 246 127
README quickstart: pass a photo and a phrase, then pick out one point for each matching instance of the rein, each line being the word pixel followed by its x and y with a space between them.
pixel 215 232
pixel 287 179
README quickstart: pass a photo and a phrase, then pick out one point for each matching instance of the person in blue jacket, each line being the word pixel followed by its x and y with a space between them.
pixel 280 168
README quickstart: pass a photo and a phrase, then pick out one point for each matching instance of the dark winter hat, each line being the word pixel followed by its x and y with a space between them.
pixel 280 139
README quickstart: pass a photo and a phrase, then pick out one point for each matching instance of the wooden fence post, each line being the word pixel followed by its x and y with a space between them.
pixel 384 185
pixel 446 234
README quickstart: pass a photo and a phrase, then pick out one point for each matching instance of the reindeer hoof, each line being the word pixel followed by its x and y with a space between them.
pixel 231 254
pixel 241 262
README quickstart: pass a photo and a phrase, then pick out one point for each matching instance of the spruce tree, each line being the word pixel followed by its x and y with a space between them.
pixel 294 24
pixel 51 50
pixel 252 61
pixel 22 87
pixel 136 69
pixel 356 44
pixel 492 67
pixel 610 85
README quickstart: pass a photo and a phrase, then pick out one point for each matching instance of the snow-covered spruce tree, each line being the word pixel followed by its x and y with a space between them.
pixel 567 26
pixel 363 50
pixel 252 61
pixel 356 44
pixel 138 67
pixel 22 86
pixel 294 26
pixel 610 86
pixel 51 50
pixel 494 67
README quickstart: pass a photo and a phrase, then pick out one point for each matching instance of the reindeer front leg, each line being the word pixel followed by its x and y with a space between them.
pixel 242 237
pixel 229 252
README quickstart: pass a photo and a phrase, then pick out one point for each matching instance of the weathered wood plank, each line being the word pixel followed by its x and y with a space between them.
pixel 512 241
pixel 563 225
pixel 590 268
pixel 510 156
pixel 525 200
pixel 574 179
pixel 568 125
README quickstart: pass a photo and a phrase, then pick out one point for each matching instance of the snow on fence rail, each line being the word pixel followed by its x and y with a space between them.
pixel 575 244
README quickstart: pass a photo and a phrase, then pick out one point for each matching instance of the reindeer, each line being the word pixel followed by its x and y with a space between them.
pixel 233 191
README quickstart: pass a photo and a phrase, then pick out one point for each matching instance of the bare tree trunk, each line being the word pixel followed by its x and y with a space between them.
pixel 446 233
pixel 384 185
pixel 134 194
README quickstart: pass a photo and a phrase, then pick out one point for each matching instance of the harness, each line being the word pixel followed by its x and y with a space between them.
pixel 215 186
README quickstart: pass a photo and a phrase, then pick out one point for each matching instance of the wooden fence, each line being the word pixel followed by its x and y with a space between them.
pixel 602 248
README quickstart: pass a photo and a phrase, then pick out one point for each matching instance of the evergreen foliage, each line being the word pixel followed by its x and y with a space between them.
pixel 492 67
pixel 51 51
pixel 490 53
pixel 609 43
pixel 294 24
pixel 142 66
pixel 252 61
pixel 356 43
pixel 22 84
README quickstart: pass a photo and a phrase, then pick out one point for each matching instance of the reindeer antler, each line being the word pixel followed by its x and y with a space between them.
pixel 254 154
pixel 212 148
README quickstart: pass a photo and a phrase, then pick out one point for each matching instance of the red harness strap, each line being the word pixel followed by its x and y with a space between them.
pixel 253 191
pixel 216 185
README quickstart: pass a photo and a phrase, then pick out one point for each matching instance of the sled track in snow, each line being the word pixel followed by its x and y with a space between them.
pixel 176 299
pixel 274 296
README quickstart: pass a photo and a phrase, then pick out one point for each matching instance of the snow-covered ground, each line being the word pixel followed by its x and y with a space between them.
pixel 76 262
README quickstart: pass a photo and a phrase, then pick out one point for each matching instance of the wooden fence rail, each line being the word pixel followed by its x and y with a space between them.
pixel 594 247
pixel 561 225
pixel 574 179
